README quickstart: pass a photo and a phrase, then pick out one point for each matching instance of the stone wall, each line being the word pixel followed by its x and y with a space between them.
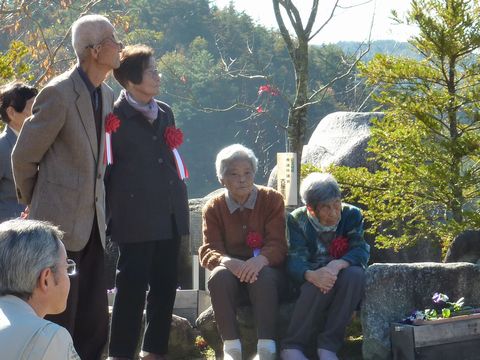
pixel 393 291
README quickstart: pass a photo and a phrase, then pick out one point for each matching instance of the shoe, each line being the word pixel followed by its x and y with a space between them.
pixel 292 354
pixel 324 354
pixel 232 354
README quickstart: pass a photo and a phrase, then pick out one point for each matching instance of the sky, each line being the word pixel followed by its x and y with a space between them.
pixel 350 23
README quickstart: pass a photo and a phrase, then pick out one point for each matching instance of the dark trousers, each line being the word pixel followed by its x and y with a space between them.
pixel 142 265
pixel 86 316
pixel 227 292
pixel 335 308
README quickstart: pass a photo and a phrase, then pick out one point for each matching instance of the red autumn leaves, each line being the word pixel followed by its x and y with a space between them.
pixel 266 89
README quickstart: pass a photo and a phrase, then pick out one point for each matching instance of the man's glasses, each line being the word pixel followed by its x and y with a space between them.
pixel 118 44
pixel 71 267
pixel 153 72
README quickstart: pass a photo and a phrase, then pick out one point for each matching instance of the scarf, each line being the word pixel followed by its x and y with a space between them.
pixel 319 228
pixel 150 110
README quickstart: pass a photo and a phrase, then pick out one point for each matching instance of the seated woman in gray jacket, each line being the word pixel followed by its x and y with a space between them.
pixel 326 258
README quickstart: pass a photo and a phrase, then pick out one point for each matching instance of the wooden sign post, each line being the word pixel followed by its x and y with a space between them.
pixel 287 177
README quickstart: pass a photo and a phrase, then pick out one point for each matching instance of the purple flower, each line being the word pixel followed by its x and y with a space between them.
pixel 439 298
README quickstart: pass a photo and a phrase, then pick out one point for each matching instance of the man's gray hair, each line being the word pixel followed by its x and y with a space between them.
pixel 89 30
pixel 232 153
pixel 26 248
pixel 319 188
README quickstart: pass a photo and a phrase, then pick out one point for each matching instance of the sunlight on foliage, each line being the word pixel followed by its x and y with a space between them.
pixel 425 150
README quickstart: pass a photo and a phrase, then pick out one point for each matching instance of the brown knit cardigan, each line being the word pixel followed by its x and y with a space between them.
pixel 225 233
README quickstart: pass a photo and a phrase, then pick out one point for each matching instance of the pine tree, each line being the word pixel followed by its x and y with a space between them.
pixel 427 145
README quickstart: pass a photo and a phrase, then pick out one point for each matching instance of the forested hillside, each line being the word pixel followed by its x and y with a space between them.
pixel 213 62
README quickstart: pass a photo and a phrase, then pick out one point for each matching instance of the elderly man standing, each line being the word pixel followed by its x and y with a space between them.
pixel 33 282
pixel 58 167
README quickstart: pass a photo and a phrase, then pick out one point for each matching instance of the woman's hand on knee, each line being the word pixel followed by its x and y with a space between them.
pixel 322 278
pixel 234 265
pixel 252 267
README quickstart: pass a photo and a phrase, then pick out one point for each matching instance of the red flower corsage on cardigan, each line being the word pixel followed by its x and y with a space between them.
pixel 255 242
pixel 338 247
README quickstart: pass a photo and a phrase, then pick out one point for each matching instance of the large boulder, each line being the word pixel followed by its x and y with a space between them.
pixel 181 344
pixel 465 247
pixel 393 291
pixel 341 138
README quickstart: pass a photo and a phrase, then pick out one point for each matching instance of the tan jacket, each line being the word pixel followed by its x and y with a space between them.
pixel 57 164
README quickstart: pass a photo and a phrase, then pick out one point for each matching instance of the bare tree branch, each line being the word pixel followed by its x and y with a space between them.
pixel 326 21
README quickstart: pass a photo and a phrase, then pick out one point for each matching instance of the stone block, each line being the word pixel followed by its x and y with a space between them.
pixel 181 344
pixel 191 303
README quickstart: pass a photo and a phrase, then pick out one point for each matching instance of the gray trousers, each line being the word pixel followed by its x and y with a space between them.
pixel 335 308
pixel 227 292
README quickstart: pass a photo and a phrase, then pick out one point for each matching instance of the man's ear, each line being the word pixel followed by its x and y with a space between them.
pixel 11 112
pixel 94 51
pixel 310 210
pixel 45 279
pixel 129 85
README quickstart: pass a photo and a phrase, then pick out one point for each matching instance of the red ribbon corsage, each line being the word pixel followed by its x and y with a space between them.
pixel 338 247
pixel 112 123
pixel 174 138
pixel 255 242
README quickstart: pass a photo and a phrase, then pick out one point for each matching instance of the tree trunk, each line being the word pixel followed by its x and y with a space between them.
pixel 457 202
pixel 297 116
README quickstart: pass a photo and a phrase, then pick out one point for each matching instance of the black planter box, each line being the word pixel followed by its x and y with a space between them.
pixel 455 338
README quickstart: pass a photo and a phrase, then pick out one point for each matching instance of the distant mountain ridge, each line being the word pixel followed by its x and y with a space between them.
pixel 388 47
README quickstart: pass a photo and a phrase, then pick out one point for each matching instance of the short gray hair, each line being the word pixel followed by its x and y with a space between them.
pixel 319 188
pixel 87 31
pixel 26 248
pixel 232 153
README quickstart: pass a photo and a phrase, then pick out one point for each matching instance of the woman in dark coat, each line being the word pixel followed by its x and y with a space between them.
pixel 147 207
pixel 16 102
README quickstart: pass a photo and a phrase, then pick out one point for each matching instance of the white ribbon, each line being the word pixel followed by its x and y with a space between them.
pixel 108 146
pixel 181 169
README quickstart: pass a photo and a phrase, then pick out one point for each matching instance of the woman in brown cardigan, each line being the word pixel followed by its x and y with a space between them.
pixel 244 247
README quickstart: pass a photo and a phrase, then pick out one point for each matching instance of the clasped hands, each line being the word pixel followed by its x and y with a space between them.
pixel 245 270
pixel 325 277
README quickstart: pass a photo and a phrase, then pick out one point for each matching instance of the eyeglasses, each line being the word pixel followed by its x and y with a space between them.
pixel 118 44
pixel 71 267
pixel 153 72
